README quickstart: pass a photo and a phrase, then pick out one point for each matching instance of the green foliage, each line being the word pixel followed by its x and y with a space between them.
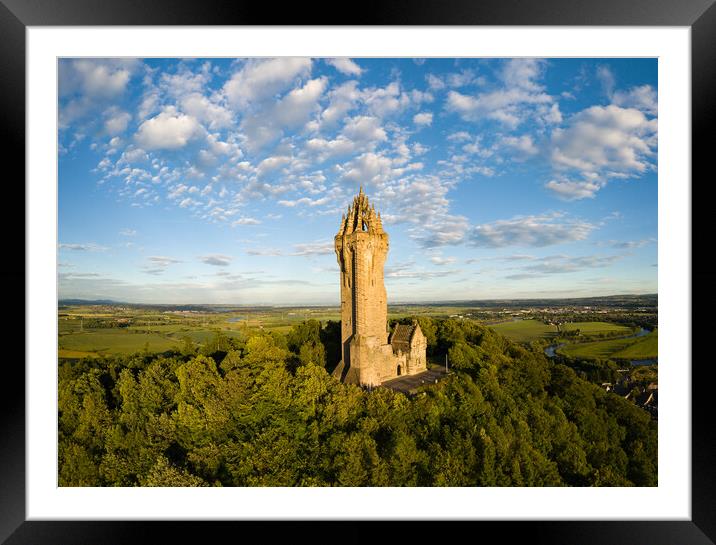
pixel 265 412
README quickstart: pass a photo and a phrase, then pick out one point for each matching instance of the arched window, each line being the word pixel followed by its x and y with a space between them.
pixel 399 370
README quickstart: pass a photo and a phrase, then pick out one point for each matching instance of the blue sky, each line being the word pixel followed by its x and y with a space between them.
pixel 224 180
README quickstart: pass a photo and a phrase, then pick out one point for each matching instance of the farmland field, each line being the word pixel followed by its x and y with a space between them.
pixel 631 348
pixel 596 328
pixel 645 348
pixel 596 349
pixel 525 330
pixel 114 341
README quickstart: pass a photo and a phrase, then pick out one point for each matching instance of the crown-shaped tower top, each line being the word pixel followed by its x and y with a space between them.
pixel 361 216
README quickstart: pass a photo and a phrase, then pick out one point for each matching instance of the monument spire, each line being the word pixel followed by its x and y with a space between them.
pixel 368 358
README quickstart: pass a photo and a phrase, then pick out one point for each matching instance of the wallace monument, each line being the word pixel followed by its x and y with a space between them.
pixel 371 354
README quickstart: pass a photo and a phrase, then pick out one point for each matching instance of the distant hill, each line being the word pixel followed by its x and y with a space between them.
pixel 623 301
pixel 75 302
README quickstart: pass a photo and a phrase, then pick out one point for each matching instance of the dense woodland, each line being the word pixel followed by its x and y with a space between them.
pixel 264 411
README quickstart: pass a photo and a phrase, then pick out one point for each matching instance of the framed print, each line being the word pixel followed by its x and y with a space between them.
pixel 195 188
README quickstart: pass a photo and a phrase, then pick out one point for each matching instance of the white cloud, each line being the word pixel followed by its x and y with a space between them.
pixel 385 101
pixel 271 163
pixel 134 155
pixel 423 119
pixel 460 136
pixel 561 264
pixel 345 66
pixel 330 148
pixel 84 85
pixel 214 115
pixel 520 97
pixel 435 83
pixel 260 79
pixel 522 144
pixel 217 260
pixel 245 221
pixel 97 78
pixel 523 73
pixel 314 248
pixel 630 244
pixel 369 168
pixel 642 98
pixel 296 107
pixel 168 130
pixel 87 247
pixel 128 232
pixel 342 99
pixel 533 231
pixel 364 129
pixel 573 190
pixel 609 141
pixel 410 270
pixel 606 77
pixel 162 261
pixel 116 122
pixel 440 260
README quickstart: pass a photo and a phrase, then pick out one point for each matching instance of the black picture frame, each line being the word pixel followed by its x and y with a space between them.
pixel 699 15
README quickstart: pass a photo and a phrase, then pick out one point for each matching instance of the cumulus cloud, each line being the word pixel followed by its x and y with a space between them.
pixel 168 130
pixel 606 77
pixel 271 163
pixel 217 260
pixel 103 78
pixel 345 66
pixel 423 119
pixel 296 107
pixel 245 221
pixel 520 97
pixel 117 122
pixel 573 190
pixel 523 145
pixel 641 98
pixel 385 101
pixel 213 115
pixel 261 79
pixel 606 141
pixel 364 129
pixel 342 99
pixel 532 231
pixel 86 85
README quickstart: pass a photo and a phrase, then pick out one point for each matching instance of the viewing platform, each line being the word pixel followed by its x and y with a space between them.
pixel 409 384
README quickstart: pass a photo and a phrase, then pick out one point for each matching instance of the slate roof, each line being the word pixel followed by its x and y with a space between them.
pixel 401 337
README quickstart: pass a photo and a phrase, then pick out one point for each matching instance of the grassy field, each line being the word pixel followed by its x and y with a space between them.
pixel 645 348
pixel 160 331
pixel 115 341
pixel 634 348
pixel 595 328
pixel 166 330
pixel 596 349
pixel 525 330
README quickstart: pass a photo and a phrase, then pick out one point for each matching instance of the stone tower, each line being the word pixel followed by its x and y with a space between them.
pixel 361 248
